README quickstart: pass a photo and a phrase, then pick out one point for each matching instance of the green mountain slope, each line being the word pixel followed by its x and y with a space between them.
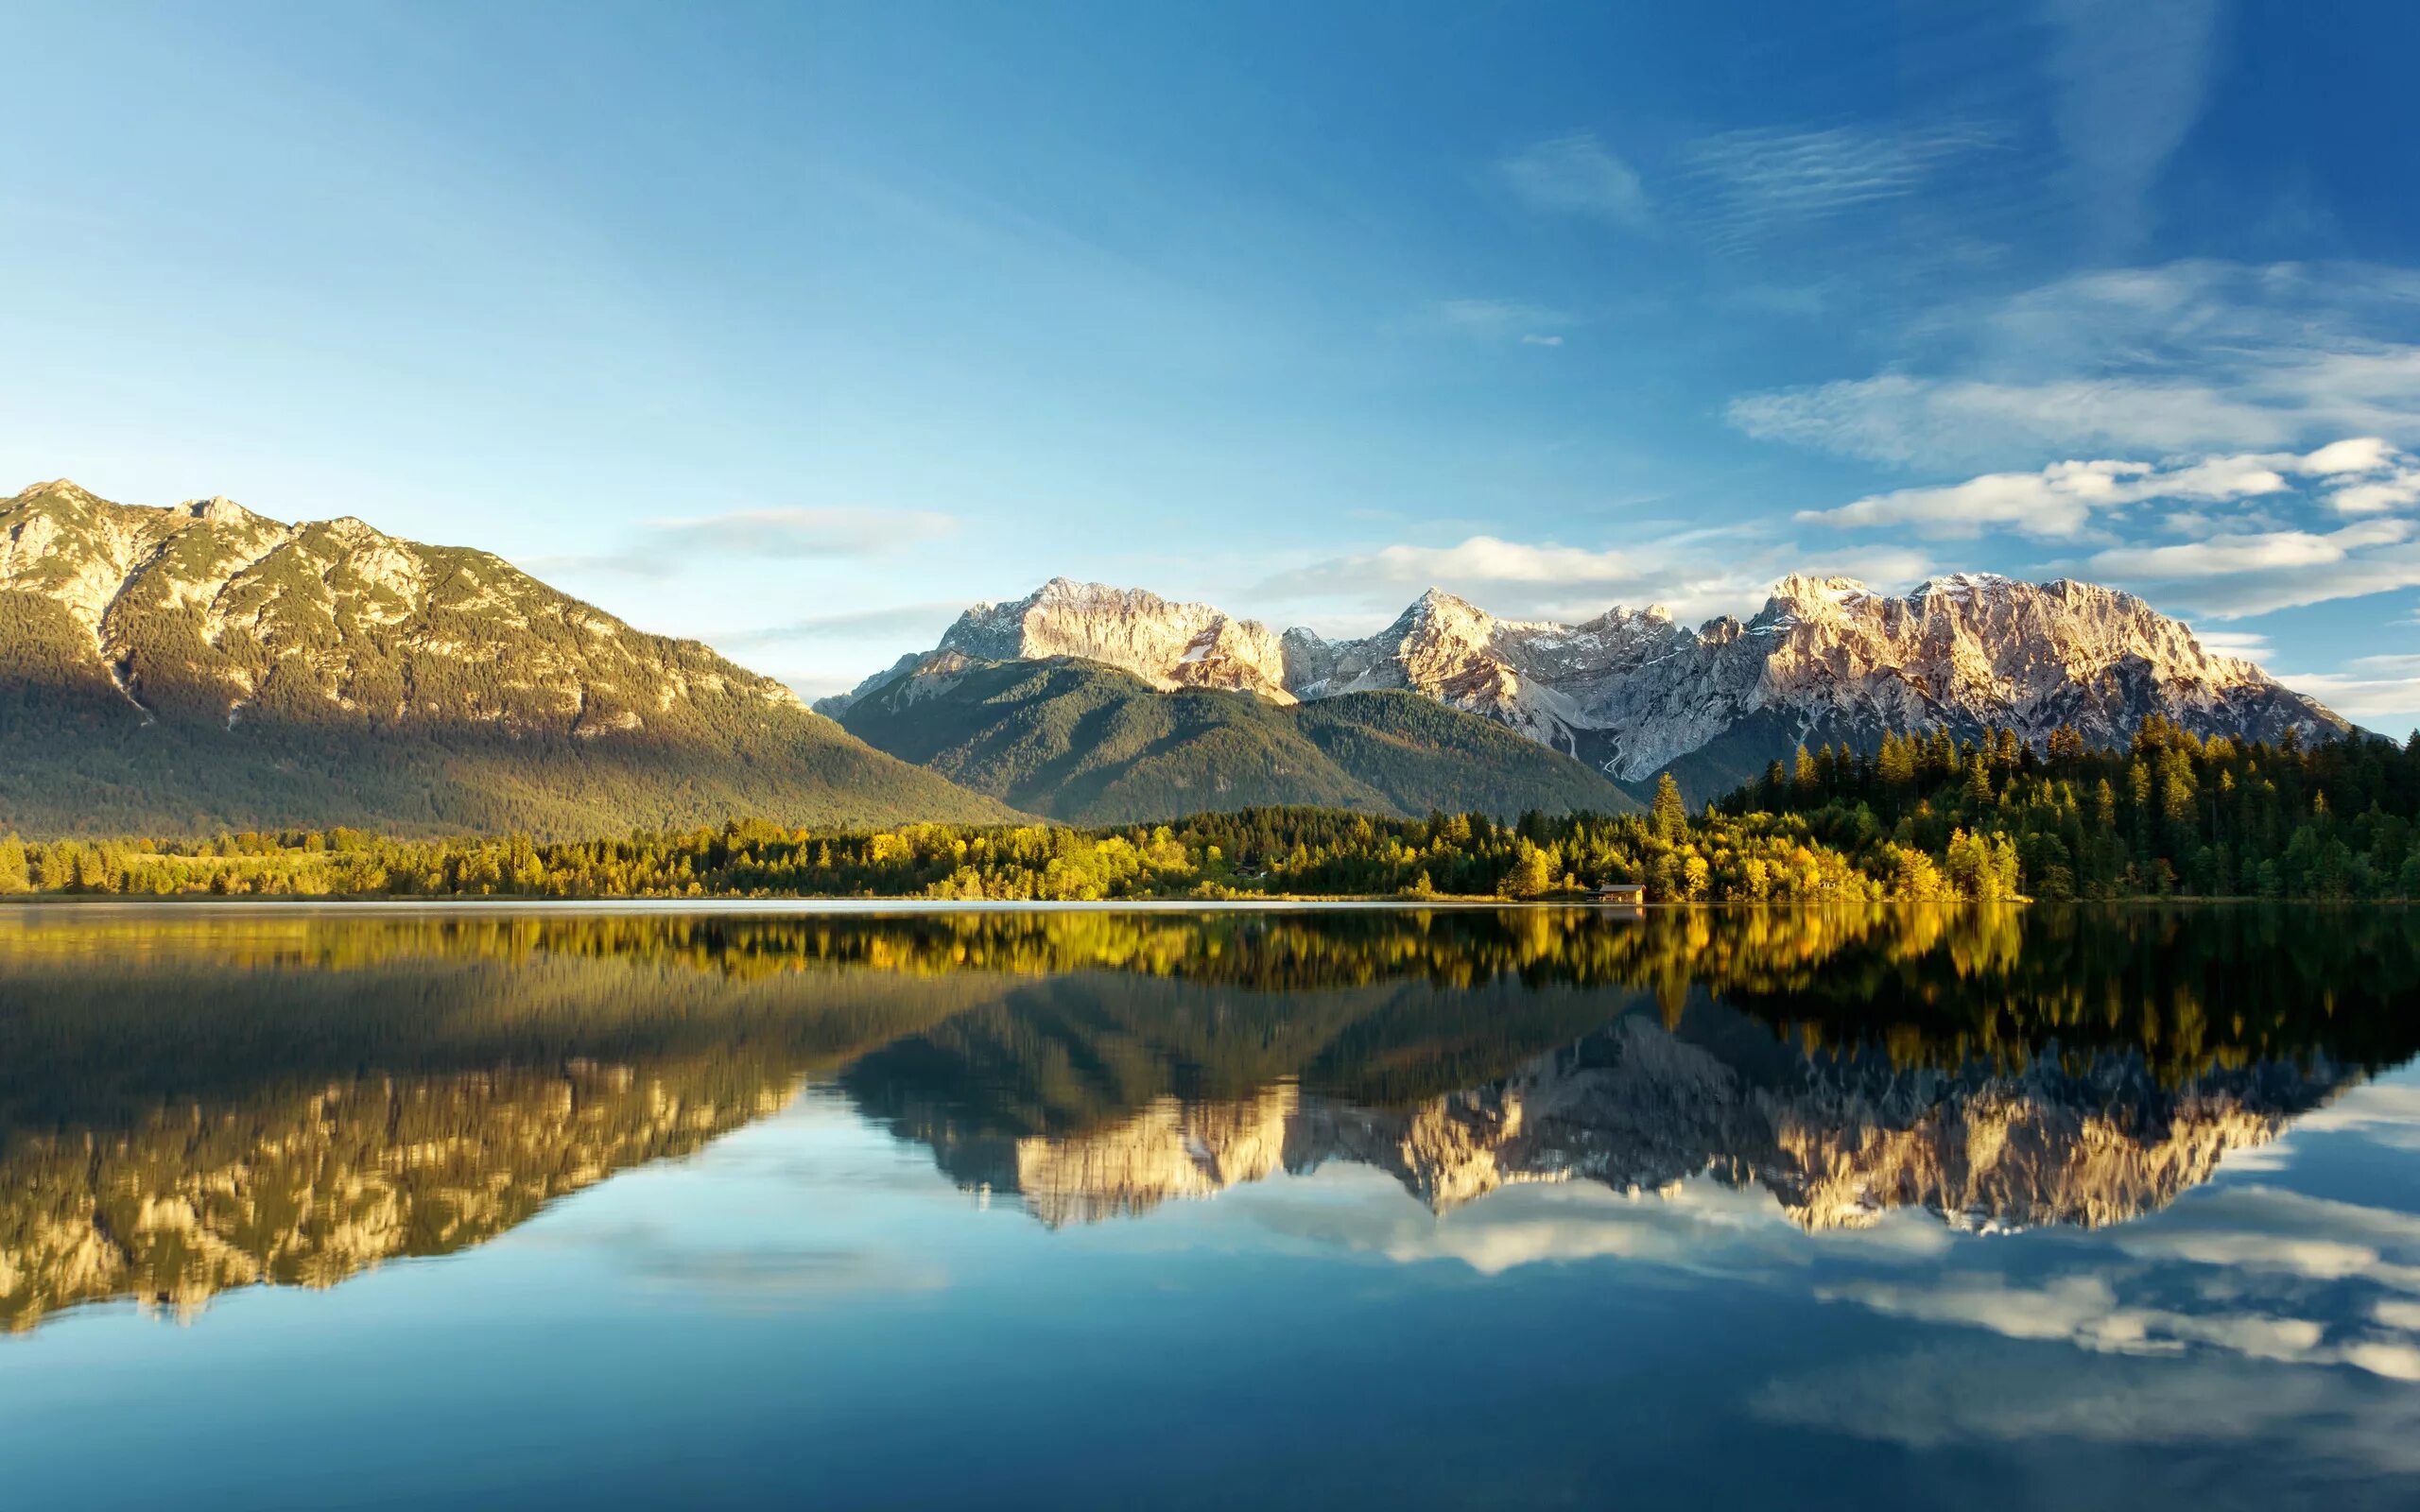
pixel 1425 756
pixel 1088 743
pixel 201 667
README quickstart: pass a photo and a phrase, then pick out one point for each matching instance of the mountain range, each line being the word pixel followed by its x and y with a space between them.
pixel 1090 744
pixel 200 667
pixel 1634 693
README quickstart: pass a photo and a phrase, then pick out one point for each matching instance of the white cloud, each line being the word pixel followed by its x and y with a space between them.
pixel 1502 319
pixel 800 532
pixel 2187 357
pixel 1577 175
pixel 2397 1314
pixel 2377 496
pixel 2060 500
pixel 2248 644
pixel 2131 76
pixel 1900 418
pixel 1764 182
pixel 2380 691
pixel 1694 575
pixel 2264 551
pixel 2238 563
pixel 2359 454
pixel 2259 589
pixel 923 622
pixel 665 547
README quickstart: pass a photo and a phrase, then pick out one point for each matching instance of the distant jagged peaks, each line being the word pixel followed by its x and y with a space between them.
pixel 1169 644
pixel 1635 693
pixel 1074 740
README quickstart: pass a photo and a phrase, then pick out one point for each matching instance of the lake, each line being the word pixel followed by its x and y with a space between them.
pixel 1878 1207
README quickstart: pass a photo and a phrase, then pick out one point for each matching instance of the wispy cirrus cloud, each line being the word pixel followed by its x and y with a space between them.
pixel 664 548
pixel 924 620
pixel 1577 175
pixel 1748 186
pixel 1693 575
pixel 2379 691
pixel 1536 325
pixel 2062 500
pixel 2261 551
pixel 2130 78
pixel 2185 356
pixel 2230 563
pixel 2250 646
pixel 2272 571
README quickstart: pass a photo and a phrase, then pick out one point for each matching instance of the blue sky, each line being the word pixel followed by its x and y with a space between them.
pixel 797 328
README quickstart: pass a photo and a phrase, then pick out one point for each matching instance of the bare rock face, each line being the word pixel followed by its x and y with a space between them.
pixel 1170 645
pixel 209 611
pixel 1632 691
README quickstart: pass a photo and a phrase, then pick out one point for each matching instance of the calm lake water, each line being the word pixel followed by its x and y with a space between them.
pixel 1867 1208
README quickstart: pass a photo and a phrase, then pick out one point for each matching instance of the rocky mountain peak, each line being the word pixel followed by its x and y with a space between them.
pixel 1803 591
pixel 220 511
pixel 1437 614
pixel 1435 601
pixel 1169 644
pixel 67 488
pixel 1634 693
pixel 1959 585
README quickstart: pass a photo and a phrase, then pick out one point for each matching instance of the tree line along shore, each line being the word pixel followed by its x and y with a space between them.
pixel 1921 818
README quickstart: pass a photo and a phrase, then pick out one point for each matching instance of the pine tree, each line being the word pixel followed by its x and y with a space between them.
pixel 1533 873
pixel 1977 788
pixel 1672 815
pixel 1897 764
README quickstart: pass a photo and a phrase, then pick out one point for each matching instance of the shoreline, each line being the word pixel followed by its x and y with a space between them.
pixel 910 904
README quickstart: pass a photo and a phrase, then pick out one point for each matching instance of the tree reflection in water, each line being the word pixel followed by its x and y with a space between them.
pixel 192 1100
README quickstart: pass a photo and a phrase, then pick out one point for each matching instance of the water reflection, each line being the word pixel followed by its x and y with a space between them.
pixel 195 1100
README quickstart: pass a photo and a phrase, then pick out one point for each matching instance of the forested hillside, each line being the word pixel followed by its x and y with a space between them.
pixel 2170 813
pixel 1092 744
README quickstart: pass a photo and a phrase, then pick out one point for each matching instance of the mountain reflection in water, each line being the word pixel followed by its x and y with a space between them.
pixel 193 1100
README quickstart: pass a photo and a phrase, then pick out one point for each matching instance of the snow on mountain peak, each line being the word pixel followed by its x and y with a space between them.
pixel 1169 644
pixel 1960 585
pixel 1802 588
pixel 1632 691
pixel 1435 605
